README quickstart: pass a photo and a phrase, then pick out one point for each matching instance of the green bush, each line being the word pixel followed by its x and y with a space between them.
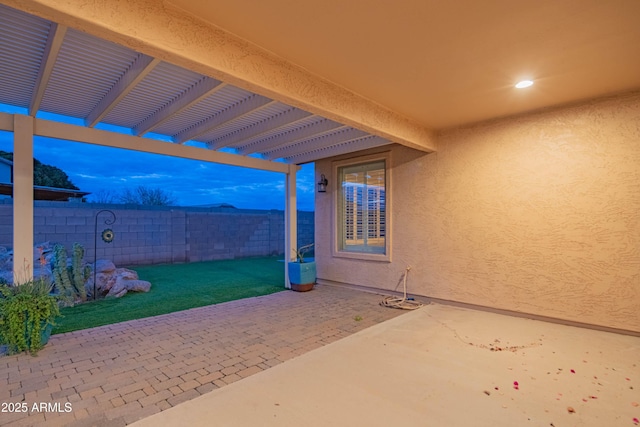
pixel 26 311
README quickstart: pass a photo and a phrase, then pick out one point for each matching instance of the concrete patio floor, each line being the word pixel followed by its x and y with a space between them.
pixel 117 374
pixel 438 366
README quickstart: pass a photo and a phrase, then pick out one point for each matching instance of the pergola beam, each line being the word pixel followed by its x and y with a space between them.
pixel 105 138
pixel 242 108
pixel 7 122
pixel 336 150
pixel 288 117
pixel 200 91
pixel 281 140
pixel 140 68
pixel 49 56
pixel 316 143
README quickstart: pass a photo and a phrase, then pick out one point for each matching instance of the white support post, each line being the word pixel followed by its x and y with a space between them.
pixel 290 221
pixel 22 198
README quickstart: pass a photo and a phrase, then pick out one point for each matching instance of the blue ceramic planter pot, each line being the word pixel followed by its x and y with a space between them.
pixel 302 275
pixel 46 334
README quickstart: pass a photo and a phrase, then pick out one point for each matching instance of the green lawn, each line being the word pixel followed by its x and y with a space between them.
pixel 176 287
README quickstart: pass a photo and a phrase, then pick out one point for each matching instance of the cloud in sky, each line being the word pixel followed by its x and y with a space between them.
pixel 96 168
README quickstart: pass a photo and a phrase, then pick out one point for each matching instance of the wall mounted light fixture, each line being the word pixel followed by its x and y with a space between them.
pixel 322 184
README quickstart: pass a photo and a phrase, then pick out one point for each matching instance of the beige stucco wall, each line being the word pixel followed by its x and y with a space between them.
pixel 537 214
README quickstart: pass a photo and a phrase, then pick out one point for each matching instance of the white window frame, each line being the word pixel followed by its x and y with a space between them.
pixel 336 220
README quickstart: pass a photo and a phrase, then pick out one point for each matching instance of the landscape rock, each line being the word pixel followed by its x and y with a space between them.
pixel 105 266
pixel 138 286
pixel 42 255
pixel 110 280
pixel 43 272
pixel 126 274
pixel 104 283
pixel 122 292
pixel 127 280
pixel 115 282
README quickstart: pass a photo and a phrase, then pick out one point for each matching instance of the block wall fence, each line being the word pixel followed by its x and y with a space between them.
pixel 160 234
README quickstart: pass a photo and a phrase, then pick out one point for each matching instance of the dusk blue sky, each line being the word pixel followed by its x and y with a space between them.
pixel 94 168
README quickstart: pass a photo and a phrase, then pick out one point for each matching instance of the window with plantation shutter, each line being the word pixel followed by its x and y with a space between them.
pixel 361 204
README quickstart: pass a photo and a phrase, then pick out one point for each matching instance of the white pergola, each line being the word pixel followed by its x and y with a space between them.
pixel 50 66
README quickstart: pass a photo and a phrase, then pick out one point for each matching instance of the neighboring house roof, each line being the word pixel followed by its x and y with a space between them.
pixel 46 193
pixel 40 192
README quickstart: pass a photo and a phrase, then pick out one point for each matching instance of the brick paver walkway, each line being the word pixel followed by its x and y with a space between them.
pixel 114 375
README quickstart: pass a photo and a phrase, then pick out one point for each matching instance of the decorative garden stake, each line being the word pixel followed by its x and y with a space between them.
pixel 107 237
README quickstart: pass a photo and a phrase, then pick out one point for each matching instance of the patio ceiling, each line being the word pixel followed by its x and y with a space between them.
pixel 51 68
pixel 445 64
pixel 218 73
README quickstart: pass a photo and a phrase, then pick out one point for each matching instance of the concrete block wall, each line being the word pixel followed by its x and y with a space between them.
pixel 152 235
pixel 306 225
pixel 6 225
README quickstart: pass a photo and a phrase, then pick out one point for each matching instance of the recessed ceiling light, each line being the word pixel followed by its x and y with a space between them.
pixel 524 83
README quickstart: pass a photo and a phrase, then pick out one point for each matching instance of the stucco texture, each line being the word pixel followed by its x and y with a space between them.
pixel 537 214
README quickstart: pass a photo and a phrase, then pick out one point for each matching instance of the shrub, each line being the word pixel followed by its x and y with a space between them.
pixel 26 311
